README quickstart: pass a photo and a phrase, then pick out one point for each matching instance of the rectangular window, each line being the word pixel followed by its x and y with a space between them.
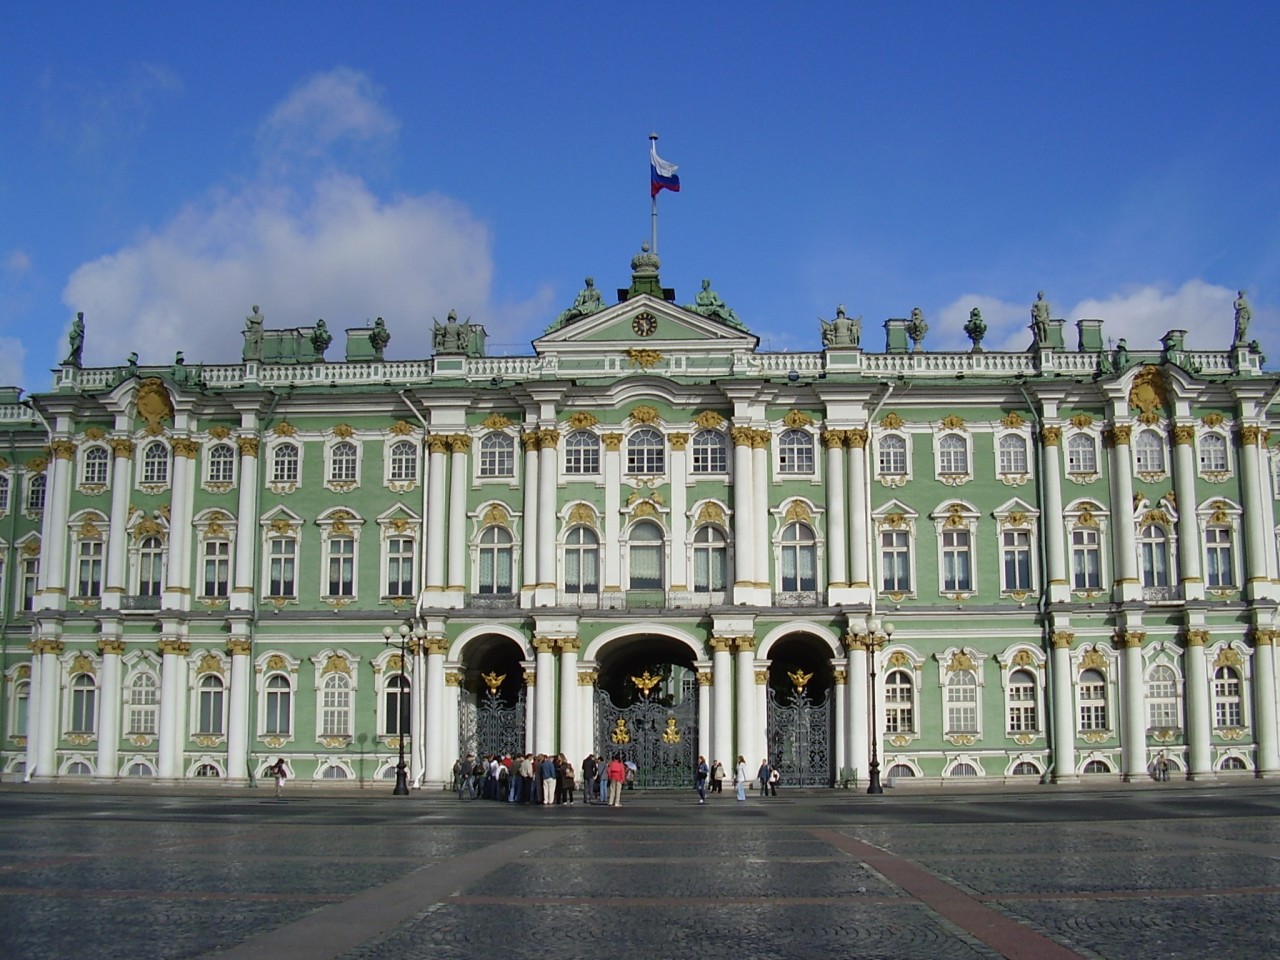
pixel 210 720
pixel 30 580
pixel 1022 709
pixel 89 577
pixel 895 561
pixel 1016 546
pixel 956 561
pixel 217 568
pixel 1086 559
pixel 283 551
pixel 342 559
pixel 1218 548
pixel 400 567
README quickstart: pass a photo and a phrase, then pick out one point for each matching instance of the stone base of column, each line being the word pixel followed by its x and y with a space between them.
pixel 1066 778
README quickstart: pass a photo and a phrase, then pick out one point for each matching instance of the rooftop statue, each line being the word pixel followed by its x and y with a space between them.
pixel 76 340
pixel 1243 316
pixel 842 331
pixel 253 335
pixel 709 304
pixel 917 328
pixel 454 337
pixel 379 338
pixel 587 302
pixel 1040 320
pixel 975 329
pixel 321 338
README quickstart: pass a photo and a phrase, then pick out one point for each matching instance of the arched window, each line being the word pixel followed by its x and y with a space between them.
pixel 495 560
pixel 1096 766
pixel 497 455
pixel 962 702
pixel 1153 543
pixel 95 466
pixel 155 463
pixel 891 456
pixel 1232 763
pixel 139 769
pixel 582 453
pixel 403 462
pixel 333 772
pixel 1093 700
pixel 207 771
pixel 581 561
pixel 397 705
pixel 1220 556
pixel 799 558
pixel 143 704
pixel 1025 768
pixel 1013 453
pixel 210 718
pixel 645 557
pixel 963 769
pixel 710 559
pixel 646 452
pixel 78 769
pixel 343 459
pixel 1213 453
pixel 84 704
pixel 953 455
pixel 1082 454
pixel 899 702
pixel 150 567
pixel 710 452
pixel 1148 452
pixel 221 463
pixel 1162 698
pixel 1023 716
pixel 1226 698
pixel 335 706
pixel 278 705
pixel 900 771
pixel 35 493
pixel 284 463
pixel 795 452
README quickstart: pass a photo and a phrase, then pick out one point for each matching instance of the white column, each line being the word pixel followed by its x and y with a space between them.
pixel 417 709
pixel 177 589
pixel 1199 716
pixel 437 503
pixel 840 693
pixel 437 761
pixel 722 701
pixel 530 709
pixel 611 545
pixel 1264 702
pixel 243 591
pixel 1133 736
pixel 1064 715
pixel 745 656
pixel 705 678
pixel 837 522
pixel 1184 490
pixel 50 685
pixel 859 510
pixel 57 506
pixel 452 734
pixel 680 579
pixel 858 687
pixel 1124 541
pixel 760 515
pixel 117 534
pixel 548 468
pixel 109 705
pixel 570 732
pixel 34 709
pixel 744 563
pixel 238 725
pixel 457 573
pixel 544 738
pixel 173 678
pixel 1051 525
pixel 1258 535
pixel 529 539
pixel 586 715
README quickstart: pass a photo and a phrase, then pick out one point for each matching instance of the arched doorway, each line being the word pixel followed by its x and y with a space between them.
pixel 647 708
pixel 801 712
pixel 491 700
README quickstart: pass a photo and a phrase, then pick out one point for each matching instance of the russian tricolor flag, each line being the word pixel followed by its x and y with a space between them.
pixel 662 175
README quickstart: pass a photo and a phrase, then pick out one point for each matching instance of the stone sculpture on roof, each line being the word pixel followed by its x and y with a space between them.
pixel 842 331
pixel 709 304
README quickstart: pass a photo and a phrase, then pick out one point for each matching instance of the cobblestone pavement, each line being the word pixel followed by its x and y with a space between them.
pixel 1186 871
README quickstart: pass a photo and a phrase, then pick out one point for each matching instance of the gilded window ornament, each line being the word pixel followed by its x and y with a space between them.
pixel 89 531
pixel 81 664
pixel 711 513
pixel 581 420
pixel 280 525
pixel 209 664
pixel 1219 515
pixel 953 422
pixel 495 421
pixel 798 510
pixel 1023 658
pixel 582 514
pixel 147 528
pixel 336 664
pixel 1213 420
pixel 37 464
pixel 961 660
pixel 891 421
pixel 894 521
pixel 153 403
pixel 1016 518
pixel 219 432
pixel 900 659
pixel 496 516
pixel 343 431
pixel 645 508
pixel 1082 421
pixel 797 418
pixel 1148 393
pixel 285 429
pixel 31 548
pixel 955 516
pixel 708 420
pixel 94 433
pixel 1093 660
pixel 1013 421
pixel 1227 657
pixel 401 428
pixel 644 414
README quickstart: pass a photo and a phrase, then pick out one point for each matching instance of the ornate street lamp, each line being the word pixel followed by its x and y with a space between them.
pixel 402 777
pixel 878 635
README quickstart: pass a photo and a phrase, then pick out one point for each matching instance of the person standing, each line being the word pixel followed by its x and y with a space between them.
pixel 548 771
pixel 740 778
pixel 616 773
pixel 775 776
pixel 589 772
pixel 602 778
pixel 717 777
pixel 763 776
pixel 700 779
pixel 278 772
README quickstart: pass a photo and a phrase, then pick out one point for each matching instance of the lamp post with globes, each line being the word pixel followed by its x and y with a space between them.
pixel 404 632
pixel 878 635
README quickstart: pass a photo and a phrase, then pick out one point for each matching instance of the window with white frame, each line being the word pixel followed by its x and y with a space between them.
pixel 799 555
pixel 215 565
pixel 278 706
pixel 400 553
pixel 144 704
pixel 646 453
pixel 4 493
pixel 953 455
pixel 795 452
pixel 89 555
pixel 84 704
pixel 962 701
pixel 284 463
pixel 344 461
pixel 957 560
pixel 1015 557
pixel 220 464
pixel 1023 713
pixel 1227 710
pixel 1213 453
pixel 899 702
pixel 710 559
pixel 21 707
pixel 1086 558
pixel 1162 698
pixel 340 561
pixel 335 706
pixel 1013 454
pixel 211 700
pixel 1093 700
pixel 645 566
pixel 150 567
pixel 1082 454
pixel 497 455
pixel 496 548
pixel 581 561
pixel 891 455
pixel 93 468
pixel 396 706
pixel 282 552
pixel 30 580
pixel 36 487
pixel 402 462
pixel 582 454
pixel 710 450
pixel 1153 548
pixel 895 561
pixel 155 463
pixel 1219 556
pixel 1148 452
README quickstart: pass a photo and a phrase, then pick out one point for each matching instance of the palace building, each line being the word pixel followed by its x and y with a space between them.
pixel 646 537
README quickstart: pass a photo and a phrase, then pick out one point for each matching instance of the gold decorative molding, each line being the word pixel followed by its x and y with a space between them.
pixel 1213 420
pixel 581 420
pixel 856 438
pixel 458 443
pixel 799 510
pixel 209 664
pixel 1227 657
pixel 1093 659
pixel 285 429
pixel 612 441
pixel 248 446
pixel 1183 435
pixel 153 403
pixel 336 664
pixel 1082 421
pixel 711 513
pixel 709 420
pixel 62 449
pixel 1013 421
pixel 1148 393
pixel 582 514
pixel 1197 637
pixel 833 439
pixel 797 418
pixel 953 422
pixel 642 358
pixel 239 647
pixel 110 646
pixel 644 414
pixel 172 646
pixel 1130 638
pixel 401 428
pixel 343 431
pixel 1251 436
pixel 961 660
pixel 678 441
pixel 891 421
pixel 495 421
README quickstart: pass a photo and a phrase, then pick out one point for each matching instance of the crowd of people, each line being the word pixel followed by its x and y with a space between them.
pixel 551 780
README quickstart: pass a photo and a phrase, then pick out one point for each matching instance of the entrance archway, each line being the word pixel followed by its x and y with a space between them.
pixel 801 712
pixel 491 698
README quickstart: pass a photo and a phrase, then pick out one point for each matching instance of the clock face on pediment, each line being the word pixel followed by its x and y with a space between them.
pixel 644 324
pixel 662 325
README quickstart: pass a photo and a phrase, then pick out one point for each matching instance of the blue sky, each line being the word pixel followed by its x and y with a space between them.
pixel 165 166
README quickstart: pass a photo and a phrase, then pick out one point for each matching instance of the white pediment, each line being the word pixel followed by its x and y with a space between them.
pixel 644 322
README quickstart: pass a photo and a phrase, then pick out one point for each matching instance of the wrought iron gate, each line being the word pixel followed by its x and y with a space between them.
pixel 800 738
pixel 662 740
pixel 490 725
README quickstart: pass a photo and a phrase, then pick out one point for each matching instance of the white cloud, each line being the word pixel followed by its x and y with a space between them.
pixel 17 263
pixel 12 355
pixel 326 112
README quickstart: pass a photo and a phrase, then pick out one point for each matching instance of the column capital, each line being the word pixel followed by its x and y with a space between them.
pixel 840 675
pixel 248 446
pixel 1117 435
pixel 744 644
pixel 529 440
pixel 705 679
pixel 111 645
pixel 612 441
pixel 1264 637
pixel 548 439
pixel 47 645
pixel 436 442
pixel 721 644
pixel 1129 639
pixel 239 647
pixel 854 641
pixel 185 447
pixel 1184 435
pixel 121 447
pixel 678 441
pixel 588 678
pixel 62 449
pixel 569 644
pixel 760 439
pixel 762 678
pixel 544 644
pixel 856 439
pixel 172 646
pixel 741 436
pixel 436 646
pixel 1251 436
pixel 459 443
pixel 1050 436
pixel 452 678
pixel 1062 639
pixel 833 439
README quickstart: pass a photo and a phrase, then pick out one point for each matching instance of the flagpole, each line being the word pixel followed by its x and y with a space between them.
pixel 653 213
